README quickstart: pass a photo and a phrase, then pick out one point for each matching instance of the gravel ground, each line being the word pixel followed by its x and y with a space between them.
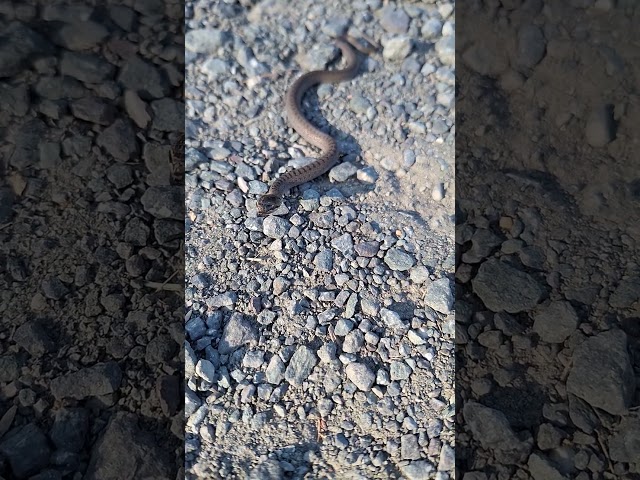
pixel 320 338
pixel 548 281
pixel 91 210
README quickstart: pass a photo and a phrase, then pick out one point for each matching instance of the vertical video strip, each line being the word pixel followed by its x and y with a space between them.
pixel 319 323
pixel 91 240
pixel 547 276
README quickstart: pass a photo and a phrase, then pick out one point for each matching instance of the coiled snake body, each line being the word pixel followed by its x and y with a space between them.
pixel 329 149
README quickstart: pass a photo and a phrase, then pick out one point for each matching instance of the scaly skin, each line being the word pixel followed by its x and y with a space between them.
pixel 329 149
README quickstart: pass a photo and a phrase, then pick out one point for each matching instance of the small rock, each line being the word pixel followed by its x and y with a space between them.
pixel 431 29
pixel 602 374
pixel 300 365
pixel 392 319
pixel 237 332
pixel 53 288
pixel 541 468
pixel 367 175
pixel 394 20
pixel 80 35
pixel 69 429
pixel 119 140
pixel 275 370
pixel 342 172
pixel 206 40
pixel 98 380
pixel 27 450
pixel 446 50
pixel 420 470
pixel 440 296
pixel 164 201
pixel 399 260
pixel 409 448
pixel 353 342
pixel 399 371
pixel 555 322
pixel 397 48
pixel 502 287
pixel 438 191
pixel 361 375
pixel 531 45
pixel 343 243
pixel 601 126
pixel 324 260
pixel 206 370
pixel 367 249
pixel 419 274
pixel 275 227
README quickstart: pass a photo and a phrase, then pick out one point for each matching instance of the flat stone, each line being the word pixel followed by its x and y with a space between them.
pixel 541 468
pixel 323 261
pixel 361 375
pixel 123 439
pixel 353 342
pixel 27 450
pixel 397 48
pixel 399 260
pixel 490 427
pixel 275 370
pixel 275 227
pixel 445 49
pixel 85 67
pixel 98 380
pixel 164 201
pixel 439 296
pixel 367 249
pixel 409 448
pixel 237 332
pixel 555 321
pixel 300 366
pixel 624 444
pixel 600 127
pixel 602 373
pixel 69 429
pixel 394 20
pixel 80 35
pixel 206 40
pixel 419 470
pixel 342 172
pixel 502 287
pixel 399 371
pixel 531 46
pixel 168 115
pixel 34 338
pixel 119 140
pixel 392 320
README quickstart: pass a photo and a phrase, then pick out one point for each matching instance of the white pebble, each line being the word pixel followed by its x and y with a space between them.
pixel 438 192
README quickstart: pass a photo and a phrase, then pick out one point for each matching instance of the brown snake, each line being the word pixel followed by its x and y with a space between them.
pixel 292 104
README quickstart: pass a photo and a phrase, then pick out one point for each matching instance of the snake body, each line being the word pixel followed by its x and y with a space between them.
pixel 329 149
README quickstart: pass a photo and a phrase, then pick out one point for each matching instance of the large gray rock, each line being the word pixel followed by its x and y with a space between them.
pixel 602 374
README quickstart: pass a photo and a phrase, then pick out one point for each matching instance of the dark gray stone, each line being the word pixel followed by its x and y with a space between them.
pixel 126 451
pixel 602 374
pixel 100 379
pixel 85 67
pixel 27 450
pixel 144 78
pixel 69 429
pixel 119 139
pixel 503 287
pixel 237 332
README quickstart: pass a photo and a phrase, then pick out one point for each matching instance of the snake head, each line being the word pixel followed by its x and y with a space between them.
pixel 268 203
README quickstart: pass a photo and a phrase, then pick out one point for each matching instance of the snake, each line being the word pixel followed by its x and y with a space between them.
pixel 328 157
